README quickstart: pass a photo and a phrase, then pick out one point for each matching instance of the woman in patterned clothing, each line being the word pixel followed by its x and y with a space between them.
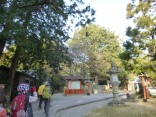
pixel 23 89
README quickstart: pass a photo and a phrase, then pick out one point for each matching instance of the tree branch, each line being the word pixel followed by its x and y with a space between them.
pixel 35 4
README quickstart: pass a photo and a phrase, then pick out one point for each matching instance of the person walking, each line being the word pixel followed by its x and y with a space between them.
pixel 32 90
pixel 3 99
pixel 127 87
pixel 88 88
pixel 21 105
pixel 40 91
pixel 47 94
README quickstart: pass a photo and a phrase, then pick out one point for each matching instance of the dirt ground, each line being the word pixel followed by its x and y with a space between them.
pixel 130 108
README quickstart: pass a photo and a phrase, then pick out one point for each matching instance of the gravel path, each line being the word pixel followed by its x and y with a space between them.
pixel 82 110
pixel 74 105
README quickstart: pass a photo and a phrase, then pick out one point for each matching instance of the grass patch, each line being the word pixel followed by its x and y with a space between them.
pixel 130 109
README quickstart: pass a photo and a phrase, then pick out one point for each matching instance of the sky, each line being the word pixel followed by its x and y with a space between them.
pixel 111 14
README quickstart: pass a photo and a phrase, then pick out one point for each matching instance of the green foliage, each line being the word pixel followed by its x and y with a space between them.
pixel 152 47
pixel 139 54
pixel 57 82
pixel 93 50
pixel 39 29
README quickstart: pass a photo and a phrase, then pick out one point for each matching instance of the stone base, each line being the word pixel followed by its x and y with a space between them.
pixel 131 96
pixel 116 103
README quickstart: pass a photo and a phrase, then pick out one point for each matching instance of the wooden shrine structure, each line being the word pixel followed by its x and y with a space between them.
pixel 74 85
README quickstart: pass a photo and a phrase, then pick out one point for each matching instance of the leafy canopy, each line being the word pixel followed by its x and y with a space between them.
pixel 40 28
pixel 93 48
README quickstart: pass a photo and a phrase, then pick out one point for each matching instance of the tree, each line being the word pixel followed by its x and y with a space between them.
pixel 140 47
pixel 93 46
pixel 38 29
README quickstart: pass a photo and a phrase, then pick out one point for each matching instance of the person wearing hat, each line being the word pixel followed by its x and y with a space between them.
pixel 40 91
pixel 23 89
pixel 47 94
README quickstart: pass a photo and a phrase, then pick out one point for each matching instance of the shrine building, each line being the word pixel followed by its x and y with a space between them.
pixel 74 85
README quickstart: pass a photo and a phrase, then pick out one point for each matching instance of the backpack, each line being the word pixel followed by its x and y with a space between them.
pixel 47 93
pixel 40 90
pixel 2 112
pixel 18 104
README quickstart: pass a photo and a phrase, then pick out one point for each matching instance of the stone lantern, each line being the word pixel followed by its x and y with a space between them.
pixel 114 81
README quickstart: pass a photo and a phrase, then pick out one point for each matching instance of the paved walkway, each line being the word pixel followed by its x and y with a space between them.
pixel 61 102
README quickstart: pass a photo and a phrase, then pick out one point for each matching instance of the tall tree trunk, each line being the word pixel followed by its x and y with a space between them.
pixel 13 70
pixel 16 57
pixel 2 45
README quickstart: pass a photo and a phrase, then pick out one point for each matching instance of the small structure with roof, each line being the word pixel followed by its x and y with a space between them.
pixel 74 85
pixel 20 77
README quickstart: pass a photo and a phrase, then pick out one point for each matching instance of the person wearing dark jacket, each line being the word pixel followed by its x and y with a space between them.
pixel 3 99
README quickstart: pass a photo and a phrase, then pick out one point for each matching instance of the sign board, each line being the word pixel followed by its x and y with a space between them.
pixel 74 84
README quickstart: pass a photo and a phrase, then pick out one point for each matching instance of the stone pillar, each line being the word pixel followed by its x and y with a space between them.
pixel 115 91
pixel 114 81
